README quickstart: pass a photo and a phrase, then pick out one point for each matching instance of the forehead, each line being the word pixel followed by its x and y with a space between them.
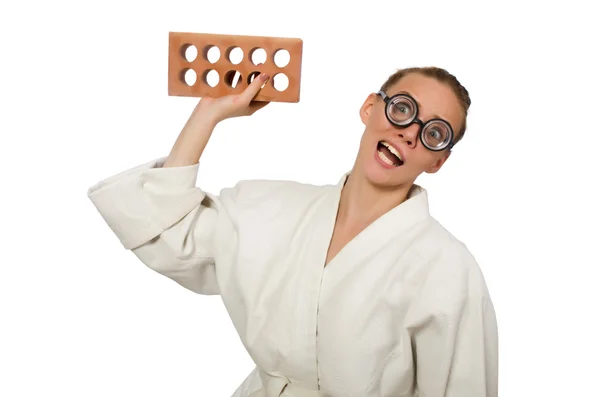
pixel 435 99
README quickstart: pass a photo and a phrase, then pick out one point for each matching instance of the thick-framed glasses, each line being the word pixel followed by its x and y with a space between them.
pixel 402 111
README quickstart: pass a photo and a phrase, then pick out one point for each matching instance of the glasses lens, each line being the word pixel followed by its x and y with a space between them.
pixel 436 135
pixel 402 110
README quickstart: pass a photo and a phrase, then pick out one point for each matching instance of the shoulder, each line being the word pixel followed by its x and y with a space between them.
pixel 266 190
pixel 275 197
pixel 453 270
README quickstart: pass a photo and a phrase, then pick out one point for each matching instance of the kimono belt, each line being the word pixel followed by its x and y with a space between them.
pixel 276 385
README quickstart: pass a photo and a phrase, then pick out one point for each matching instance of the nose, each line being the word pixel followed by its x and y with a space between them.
pixel 410 134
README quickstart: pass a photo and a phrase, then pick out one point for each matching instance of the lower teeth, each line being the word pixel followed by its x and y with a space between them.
pixel 386 160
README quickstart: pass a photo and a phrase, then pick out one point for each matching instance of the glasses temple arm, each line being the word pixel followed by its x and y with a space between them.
pixel 383 95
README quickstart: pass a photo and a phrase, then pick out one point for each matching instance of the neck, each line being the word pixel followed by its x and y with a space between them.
pixel 361 202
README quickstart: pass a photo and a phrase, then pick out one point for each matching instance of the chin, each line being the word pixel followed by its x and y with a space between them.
pixel 380 173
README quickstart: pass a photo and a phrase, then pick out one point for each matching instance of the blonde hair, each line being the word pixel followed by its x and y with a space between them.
pixel 443 76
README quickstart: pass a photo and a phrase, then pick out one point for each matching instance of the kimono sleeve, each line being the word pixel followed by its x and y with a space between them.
pixel 454 337
pixel 171 225
pixel 459 357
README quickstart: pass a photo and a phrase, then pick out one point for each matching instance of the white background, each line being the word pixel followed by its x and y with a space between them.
pixel 83 90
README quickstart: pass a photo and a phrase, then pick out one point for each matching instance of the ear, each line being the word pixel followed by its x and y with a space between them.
pixel 435 167
pixel 367 108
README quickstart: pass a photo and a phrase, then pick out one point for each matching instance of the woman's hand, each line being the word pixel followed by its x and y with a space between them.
pixel 235 105
pixel 194 136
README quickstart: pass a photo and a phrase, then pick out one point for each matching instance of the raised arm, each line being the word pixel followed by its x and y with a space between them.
pixel 158 213
pixel 194 136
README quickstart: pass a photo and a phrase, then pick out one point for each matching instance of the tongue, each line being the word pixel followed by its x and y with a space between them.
pixel 389 154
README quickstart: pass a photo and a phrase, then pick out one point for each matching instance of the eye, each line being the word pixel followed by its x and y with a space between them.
pixel 402 108
pixel 435 134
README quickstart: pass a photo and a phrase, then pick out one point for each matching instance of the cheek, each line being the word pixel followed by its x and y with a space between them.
pixel 366 142
pixel 424 160
pixel 383 124
pixel 377 121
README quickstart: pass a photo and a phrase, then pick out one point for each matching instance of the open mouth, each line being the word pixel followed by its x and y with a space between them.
pixel 388 154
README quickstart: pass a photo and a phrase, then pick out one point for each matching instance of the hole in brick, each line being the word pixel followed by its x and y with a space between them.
pixel 235 55
pixel 258 56
pixel 280 82
pixel 189 52
pixel 252 76
pixel 188 76
pixel 212 53
pixel 281 58
pixel 211 77
pixel 233 78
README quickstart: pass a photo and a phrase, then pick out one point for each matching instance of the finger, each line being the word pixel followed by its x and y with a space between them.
pixel 254 87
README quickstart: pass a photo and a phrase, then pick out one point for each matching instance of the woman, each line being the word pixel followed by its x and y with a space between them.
pixel 349 290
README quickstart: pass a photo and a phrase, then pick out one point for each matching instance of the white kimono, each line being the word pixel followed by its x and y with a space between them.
pixel 402 310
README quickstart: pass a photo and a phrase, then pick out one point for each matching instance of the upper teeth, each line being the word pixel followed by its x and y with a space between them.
pixel 392 149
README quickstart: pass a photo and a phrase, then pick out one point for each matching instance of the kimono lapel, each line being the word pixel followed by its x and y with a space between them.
pixel 384 230
pixel 324 224
pixel 399 219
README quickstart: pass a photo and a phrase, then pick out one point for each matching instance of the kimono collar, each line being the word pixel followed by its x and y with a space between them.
pixel 416 204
